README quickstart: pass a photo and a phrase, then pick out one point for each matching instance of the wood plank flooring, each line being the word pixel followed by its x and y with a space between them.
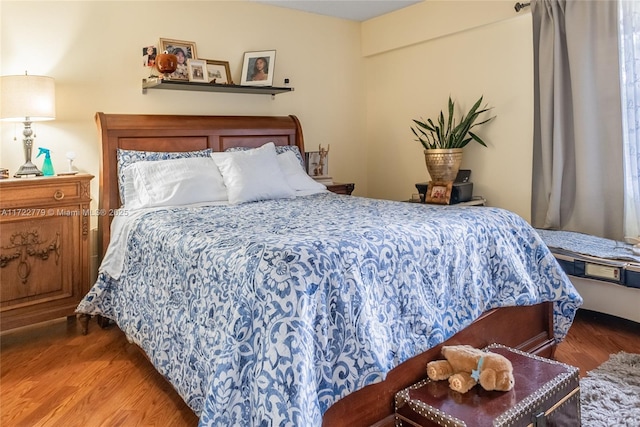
pixel 51 375
pixel 594 336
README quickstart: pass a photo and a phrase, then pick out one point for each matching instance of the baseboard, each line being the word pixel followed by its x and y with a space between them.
pixel 610 298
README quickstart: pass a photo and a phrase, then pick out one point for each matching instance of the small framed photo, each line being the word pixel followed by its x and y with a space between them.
pixel 218 72
pixel 439 192
pixel 197 69
pixel 149 56
pixel 184 50
pixel 257 68
pixel 317 163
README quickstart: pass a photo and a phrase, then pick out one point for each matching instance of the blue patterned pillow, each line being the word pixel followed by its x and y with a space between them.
pixel 128 157
pixel 279 150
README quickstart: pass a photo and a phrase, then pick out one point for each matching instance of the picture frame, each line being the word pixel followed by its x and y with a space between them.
pixel 317 167
pixel 149 56
pixel 257 68
pixel 218 72
pixel 197 69
pixel 439 192
pixel 184 50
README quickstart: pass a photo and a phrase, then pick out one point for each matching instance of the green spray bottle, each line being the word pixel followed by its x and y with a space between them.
pixel 47 166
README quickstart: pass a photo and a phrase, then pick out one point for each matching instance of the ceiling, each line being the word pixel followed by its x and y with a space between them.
pixel 355 10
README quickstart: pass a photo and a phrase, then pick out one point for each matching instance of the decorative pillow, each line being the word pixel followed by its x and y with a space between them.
pixel 295 175
pixel 173 182
pixel 127 157
pixel 253 175
pixel 279 150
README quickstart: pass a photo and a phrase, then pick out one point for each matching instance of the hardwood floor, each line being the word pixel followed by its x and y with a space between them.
pixel 594 336
pixel 51 375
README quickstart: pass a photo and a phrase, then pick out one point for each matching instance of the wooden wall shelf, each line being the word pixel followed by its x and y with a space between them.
pixel 211 87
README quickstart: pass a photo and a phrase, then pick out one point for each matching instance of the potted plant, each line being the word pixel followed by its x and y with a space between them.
pixel 443 141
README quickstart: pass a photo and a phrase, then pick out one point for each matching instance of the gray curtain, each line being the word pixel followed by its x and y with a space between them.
pixel 577 159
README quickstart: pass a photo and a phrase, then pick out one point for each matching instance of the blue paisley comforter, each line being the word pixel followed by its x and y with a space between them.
pixel 264 314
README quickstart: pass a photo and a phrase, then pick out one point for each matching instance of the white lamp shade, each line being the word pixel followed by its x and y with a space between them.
pixel 27 96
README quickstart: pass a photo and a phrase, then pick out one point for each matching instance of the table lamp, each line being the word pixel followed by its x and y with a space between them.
pixel 27 99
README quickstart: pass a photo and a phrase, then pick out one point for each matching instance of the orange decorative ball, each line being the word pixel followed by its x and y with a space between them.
pixel 166 63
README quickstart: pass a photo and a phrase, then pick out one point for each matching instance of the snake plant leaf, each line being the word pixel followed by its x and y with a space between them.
pixel 477 139
pixel 423 137
pixel 449 132
pixel 451 119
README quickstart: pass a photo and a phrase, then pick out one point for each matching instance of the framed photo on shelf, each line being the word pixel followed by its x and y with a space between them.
pixel 257 68
pixel 439 192
pixel 149 56
pixel 218 72
pixel 183 50
pixel 197 70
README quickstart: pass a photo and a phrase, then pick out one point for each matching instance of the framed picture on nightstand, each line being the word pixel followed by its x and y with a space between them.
pixel 317 163
pixel 439 192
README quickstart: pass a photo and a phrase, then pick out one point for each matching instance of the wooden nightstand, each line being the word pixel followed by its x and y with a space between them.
pixel 476 201
pixel 341 188
pixel 44 248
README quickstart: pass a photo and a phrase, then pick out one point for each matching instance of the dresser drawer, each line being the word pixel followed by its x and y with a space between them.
pixel 43 192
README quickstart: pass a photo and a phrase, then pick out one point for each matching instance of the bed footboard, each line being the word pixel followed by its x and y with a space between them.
pixel 526 328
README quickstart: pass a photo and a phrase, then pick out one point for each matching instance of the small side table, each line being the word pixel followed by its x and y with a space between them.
pixel 476 201
pixel 341 188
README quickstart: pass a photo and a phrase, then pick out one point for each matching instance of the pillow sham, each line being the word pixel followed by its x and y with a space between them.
pixel 253 175
pixel 173 182
pixel 280 149
pixel 295 175
pixel 127 157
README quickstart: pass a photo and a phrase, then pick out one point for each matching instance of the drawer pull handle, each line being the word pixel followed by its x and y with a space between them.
pixel 58 195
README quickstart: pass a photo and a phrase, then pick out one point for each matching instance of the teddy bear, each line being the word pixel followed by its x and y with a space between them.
pixel 466 366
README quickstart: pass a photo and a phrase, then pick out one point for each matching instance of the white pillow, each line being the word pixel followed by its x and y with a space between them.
pixel 128 157
pixel 295 175
pixel 253 175
pixel 172 183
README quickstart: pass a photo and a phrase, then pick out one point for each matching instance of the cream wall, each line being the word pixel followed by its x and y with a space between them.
pixel 93 49
pixel 357 86
pixel 412 74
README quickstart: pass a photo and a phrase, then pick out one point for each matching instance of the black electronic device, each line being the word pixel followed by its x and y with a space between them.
pixel 464 175
pixel 462 190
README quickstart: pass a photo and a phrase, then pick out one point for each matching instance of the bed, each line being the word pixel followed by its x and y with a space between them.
pixel 313 310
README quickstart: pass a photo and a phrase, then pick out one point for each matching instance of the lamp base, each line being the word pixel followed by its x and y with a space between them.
pixel 28 169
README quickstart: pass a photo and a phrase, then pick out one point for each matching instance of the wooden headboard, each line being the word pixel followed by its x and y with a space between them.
pixel 178 133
